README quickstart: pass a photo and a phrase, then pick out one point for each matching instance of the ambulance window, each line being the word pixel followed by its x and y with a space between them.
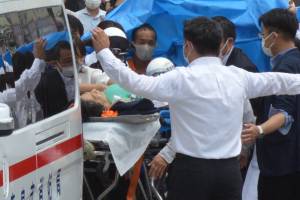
pixel 36 64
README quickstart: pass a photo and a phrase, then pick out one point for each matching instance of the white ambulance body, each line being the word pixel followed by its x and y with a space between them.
pixel 42 160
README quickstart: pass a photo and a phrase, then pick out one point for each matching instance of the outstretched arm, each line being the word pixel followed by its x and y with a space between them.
pixel 162 88
pixel 272 83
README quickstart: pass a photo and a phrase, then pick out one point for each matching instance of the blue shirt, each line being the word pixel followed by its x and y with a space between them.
pixel 89 22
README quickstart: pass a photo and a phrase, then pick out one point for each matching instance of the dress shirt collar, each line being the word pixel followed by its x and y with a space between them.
pixel 278 57
pixel 205 60
pixel 100 13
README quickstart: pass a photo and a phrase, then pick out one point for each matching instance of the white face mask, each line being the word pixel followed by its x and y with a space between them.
pixel 144 51
pixel 92 4
pixel 222 49
pixel 266 50
pixel 186 57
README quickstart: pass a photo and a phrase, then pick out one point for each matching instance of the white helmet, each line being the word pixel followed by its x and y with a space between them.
pixel 159 66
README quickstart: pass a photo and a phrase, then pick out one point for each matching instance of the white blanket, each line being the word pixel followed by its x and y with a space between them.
pixel 127 142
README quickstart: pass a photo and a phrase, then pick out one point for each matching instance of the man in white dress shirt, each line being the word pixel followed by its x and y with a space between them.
pixel 206 103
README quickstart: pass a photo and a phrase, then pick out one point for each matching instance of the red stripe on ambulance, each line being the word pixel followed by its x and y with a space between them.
pixel 43 158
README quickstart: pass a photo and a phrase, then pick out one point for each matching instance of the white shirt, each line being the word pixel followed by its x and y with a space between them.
pixel 90 58
pixel 17 98
pixel 92 76
pixel 206 100
pixel 168 153
pixel 69 86
pixel 89 22
pixel 8 96
pixel 30 78
pixel 27 108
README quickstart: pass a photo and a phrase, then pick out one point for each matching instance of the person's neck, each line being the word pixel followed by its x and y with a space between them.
pixel 283 47
pixel 93 12
pixel 195 56
pixel 140 65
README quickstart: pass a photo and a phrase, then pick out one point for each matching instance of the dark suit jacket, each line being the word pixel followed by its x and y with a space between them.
pixel 51 93
pixel 239 59
pixel 279 154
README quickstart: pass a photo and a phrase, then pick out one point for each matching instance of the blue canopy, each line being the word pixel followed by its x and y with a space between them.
pixel 167 17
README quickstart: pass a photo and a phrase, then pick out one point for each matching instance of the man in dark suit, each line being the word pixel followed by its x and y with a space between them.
pixel 56 89
pixel 230 54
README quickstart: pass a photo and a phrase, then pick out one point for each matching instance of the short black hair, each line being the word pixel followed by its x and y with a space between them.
pixel 281 21
pixel 90 109
pixel 143 27
pixel 227 26
pixel 20 62
pixel 79 46
pixel 109 23
pixel 205 34
pixel 75 24
pixel 59 46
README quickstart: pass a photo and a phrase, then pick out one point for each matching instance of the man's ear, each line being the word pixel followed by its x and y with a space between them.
pixel 189 44
pixel 231 42
pixel 274 35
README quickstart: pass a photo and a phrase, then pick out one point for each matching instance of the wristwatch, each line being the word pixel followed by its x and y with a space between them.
pixel 260 131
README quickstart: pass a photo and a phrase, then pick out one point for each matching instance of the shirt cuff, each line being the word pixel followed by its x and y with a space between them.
pixel 168 154
pixel 288 122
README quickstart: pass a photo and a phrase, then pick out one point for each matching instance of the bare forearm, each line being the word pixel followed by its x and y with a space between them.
pixel 274 123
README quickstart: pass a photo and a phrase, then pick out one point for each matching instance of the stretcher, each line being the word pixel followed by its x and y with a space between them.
pixel 127 143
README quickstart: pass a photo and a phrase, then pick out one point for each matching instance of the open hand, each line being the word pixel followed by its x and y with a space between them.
pixel 100 39
pixel 39 46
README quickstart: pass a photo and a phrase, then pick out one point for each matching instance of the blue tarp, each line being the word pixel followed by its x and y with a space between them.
pixel 51 40
pixel 1 62
pixel 167 17
pixel 8 57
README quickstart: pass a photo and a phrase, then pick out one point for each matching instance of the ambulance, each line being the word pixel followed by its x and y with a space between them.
pixel 43 159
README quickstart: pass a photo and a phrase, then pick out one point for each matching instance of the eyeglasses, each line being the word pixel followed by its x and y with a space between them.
pixel 118 52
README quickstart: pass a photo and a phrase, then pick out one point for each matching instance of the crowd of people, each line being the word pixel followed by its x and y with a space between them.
pixel 235 132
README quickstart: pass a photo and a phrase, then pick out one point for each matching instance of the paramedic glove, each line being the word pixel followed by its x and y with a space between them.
pixel 100 40
pixel 39 49
pixel 250 133
pixel 158 167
